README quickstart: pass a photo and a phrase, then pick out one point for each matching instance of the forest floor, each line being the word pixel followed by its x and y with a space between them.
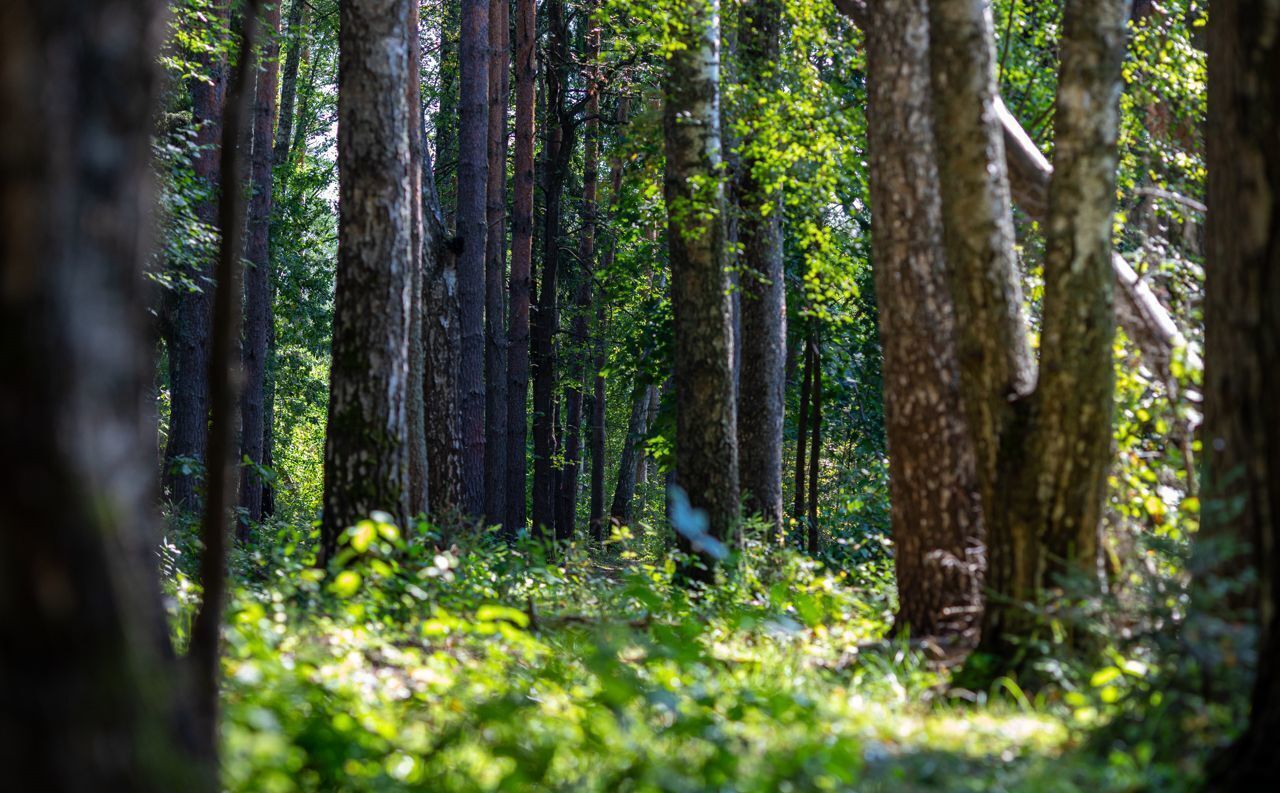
pixel 480 668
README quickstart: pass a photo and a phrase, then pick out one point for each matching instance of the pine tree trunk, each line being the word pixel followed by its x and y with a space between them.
pixel 257 281
pixel 762 293
pixel 1242 333
pixel 289 80
pixel 419 499
pixel 90 698
pixel 625 490
pixel 598 428
pixel 521 266
pixel 802 429
pixel 815 449
pixel 935 513
pixel 706 447
pixel 366 457
pixel 191 310
pixel 446 158
pixel 495 351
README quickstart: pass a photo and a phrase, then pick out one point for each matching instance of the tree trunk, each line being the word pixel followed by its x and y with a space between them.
pixel 257 281
pixel 802 429
pixel 188 342
pixel 1242 332
pixel 473 181
pixel 289 80
pixel 598 428
pixel 521 265
pixel 763 294
pixel 90 690
pixel 625 490
pixel 935 513
pixel 815 450
pixel 366 457
pixel 419 499
pixel 446 159
pixel 706 448
pixel 495 351
pixel 558 155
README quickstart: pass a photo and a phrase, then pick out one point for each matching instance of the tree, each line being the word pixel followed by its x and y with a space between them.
pixel 190 309
pixel 815 450
pixel 521 266
pixel 1038 500
pixel 1242 334
pixel 366 459
pixel 83 642
pixel 935 515
pixel 257 292
pixel 495 350
pixel 473 181
pixel 706 448
pixel 419 466
pixel 763 295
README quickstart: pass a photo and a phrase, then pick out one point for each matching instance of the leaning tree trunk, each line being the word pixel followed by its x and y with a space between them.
pixel 706 448
pixel 763 295
pixel 1242 333
pixel 521 265
pixel 935 514
pixel 473 181
pixel 366 458
pixel 495 350
pixel 191 310
pixel 257 282
pixel 90 698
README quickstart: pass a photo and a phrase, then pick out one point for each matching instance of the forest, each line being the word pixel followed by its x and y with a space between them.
pixel 639 395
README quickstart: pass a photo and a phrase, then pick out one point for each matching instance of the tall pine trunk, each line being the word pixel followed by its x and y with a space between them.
pixel 495 351
pixel 91 699
pixel 762 295
pixel 416 423
pixel 473 182
pixel 1242 333
pixel 257 281
pixel 802 430
pixel 366 457
pixel 706 447
pixel 935 513
pixel 815 448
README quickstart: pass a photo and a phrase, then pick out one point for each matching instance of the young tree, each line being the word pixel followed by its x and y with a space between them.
pixel 91 697
pixel 495 350
pixel 706 448
pixel 521 265
pixel 473 181
pixel 1242 335
pixel 366 465
pixel 763 297
pixel 1040 471
pixel 935 514
pixel 257 282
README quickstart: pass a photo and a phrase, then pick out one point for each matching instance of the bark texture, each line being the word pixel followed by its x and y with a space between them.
pixel 83 641
pixel 366 457
pixel 625 489
pixel 419 462
pixel 521 266
pixel 1242 333
pixel 495 269
pixel 257 281
pixel 473 181
pixel 762 289
pixel 935 513
pixel 706 447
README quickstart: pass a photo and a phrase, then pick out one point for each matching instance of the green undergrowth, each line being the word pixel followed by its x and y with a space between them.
pixel 484 668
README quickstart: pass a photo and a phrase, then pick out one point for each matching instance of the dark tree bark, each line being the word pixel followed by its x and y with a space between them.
pixel 366 457
pixel 225 379
pixel 188 341
pixel 495 351
pixel 558 153
pixel 566 512
pixel 625 489
pixel 598 427
pixel 473 180
pixel 706 448
pixel 521 265
pixel 1242 334
pixel 419 463
pixel 802 430
pixel 297 34
pixel 446 159
pixel 935 513
pixel 257 281
pixel 763 297
pixel 815 448
pixel 83 641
